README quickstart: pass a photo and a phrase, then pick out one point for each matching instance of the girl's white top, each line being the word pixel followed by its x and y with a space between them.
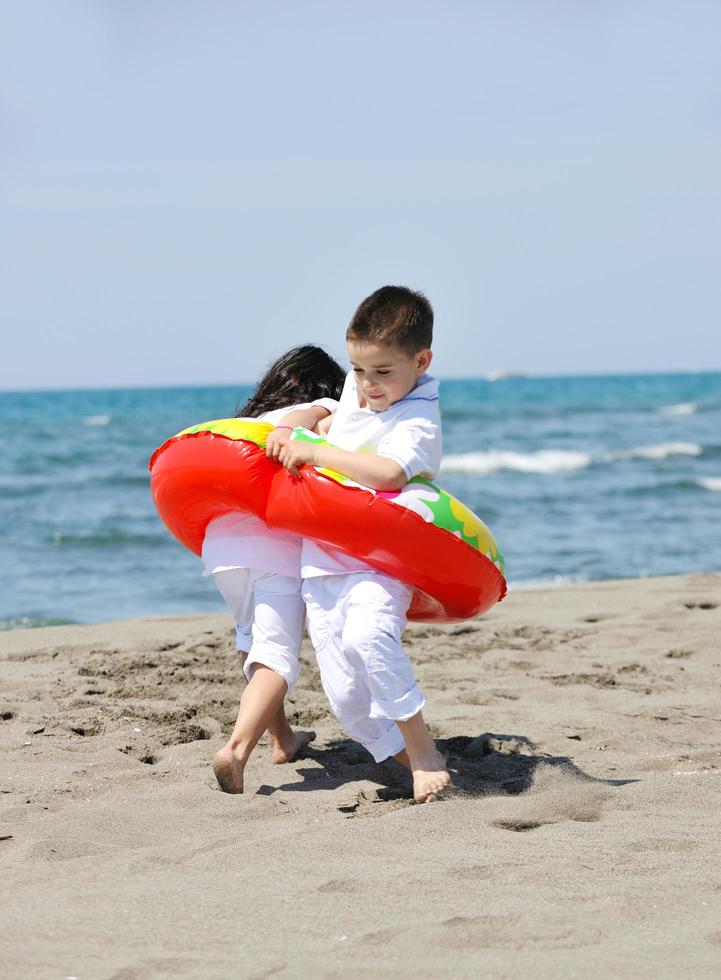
pixel 408 432
pixel 239 540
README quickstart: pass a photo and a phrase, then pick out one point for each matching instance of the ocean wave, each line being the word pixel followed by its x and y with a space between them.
pixel 661 450
pixel 541 461
pixel 113 480
pixel 22 492
pixel 549 582
pixel 709 483
pixel 97 420
pixel 45 458
pixel 558 460
pixel 32 622
pixel 653 491
pixel 682 408
pixel 102 539
pixel 22 485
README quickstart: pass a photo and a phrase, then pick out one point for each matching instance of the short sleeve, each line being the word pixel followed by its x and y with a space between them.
pixel 415 444
pixel 330 404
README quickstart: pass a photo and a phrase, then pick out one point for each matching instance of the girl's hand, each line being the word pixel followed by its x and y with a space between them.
pixel 276 440
pixel 294 454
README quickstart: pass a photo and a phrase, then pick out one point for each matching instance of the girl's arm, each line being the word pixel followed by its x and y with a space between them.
pixel 307 418
pixel 324 425
pixel 368 469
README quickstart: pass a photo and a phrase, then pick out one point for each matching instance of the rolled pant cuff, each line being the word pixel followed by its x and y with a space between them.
pixel 289 673
pixel 402 708
pixel 389 744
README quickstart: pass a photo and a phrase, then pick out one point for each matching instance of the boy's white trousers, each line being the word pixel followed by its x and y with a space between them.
pixel 355 622
pixel 269 618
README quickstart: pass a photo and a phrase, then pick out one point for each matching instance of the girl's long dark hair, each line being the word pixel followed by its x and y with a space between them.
pixel 301 375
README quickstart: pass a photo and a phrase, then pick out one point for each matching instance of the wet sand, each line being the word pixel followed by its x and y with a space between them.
pixel 583 729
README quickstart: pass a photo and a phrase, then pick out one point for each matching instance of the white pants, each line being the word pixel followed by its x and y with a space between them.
pixel 269 618
pixel 355 622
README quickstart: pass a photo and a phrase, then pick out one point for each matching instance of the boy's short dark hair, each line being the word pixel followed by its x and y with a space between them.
pixel 394 316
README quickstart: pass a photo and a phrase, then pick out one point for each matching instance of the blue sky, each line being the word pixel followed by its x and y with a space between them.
pixel 189 188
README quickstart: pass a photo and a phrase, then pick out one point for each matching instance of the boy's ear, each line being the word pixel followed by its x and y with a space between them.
pixel 423 360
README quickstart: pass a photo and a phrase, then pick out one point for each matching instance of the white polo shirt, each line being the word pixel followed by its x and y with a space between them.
pixel 239 540
pixel 408 432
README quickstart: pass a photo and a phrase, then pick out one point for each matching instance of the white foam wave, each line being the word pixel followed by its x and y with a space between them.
pixel 682 408
pixel 542 461
pixel 96 420
pixel 558 460
pixel 661 450
pixel 710 483
pixel 552 582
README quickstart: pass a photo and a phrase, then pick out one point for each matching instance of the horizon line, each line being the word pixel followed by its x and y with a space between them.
pixel 511 375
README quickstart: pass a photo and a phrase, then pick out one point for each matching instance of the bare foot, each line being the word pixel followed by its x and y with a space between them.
pixel 287 747
pixel 228 770
pixel 430 776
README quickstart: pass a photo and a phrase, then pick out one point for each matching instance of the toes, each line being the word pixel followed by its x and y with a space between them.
pixel 432 790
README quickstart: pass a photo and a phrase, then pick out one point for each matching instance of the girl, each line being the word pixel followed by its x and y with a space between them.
pixel 257 569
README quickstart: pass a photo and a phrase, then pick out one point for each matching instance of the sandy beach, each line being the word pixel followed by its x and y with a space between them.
pixel 583 728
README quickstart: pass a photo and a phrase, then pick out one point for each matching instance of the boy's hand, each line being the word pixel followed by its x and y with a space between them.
pixel 275 442
pixel 296 452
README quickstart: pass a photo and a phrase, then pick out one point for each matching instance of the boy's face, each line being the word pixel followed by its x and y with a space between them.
pixel 383 374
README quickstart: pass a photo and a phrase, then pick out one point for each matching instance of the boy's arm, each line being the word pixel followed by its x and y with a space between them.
pixel 306 418
pixel 368 469
pixel 412 448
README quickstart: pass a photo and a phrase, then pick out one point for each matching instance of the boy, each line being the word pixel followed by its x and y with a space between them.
pixel 386 430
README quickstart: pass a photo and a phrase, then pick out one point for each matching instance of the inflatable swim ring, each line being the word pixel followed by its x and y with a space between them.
pixel 420 534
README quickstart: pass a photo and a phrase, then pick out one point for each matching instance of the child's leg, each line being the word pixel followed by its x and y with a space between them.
pixel 271 667
pixel 236 587
pixel 430 776
pixel 342 676
pixel 259 704
pixel 277 635
pixel 375 615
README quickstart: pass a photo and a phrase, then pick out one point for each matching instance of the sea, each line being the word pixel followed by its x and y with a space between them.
pixel 579 478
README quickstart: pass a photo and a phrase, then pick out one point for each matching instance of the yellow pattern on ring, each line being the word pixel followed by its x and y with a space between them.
pixel 473 527
pixel 245 429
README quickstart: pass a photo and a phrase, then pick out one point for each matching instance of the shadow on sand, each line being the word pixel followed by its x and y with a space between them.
pixel 484 765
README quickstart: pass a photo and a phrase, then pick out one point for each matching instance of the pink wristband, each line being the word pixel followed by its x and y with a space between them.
pixel 288 427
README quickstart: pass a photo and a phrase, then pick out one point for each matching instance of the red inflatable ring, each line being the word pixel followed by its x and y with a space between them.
pixel 420 535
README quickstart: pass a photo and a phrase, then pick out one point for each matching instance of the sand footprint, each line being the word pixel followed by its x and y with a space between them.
pixel 339 886
pixel 376 803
